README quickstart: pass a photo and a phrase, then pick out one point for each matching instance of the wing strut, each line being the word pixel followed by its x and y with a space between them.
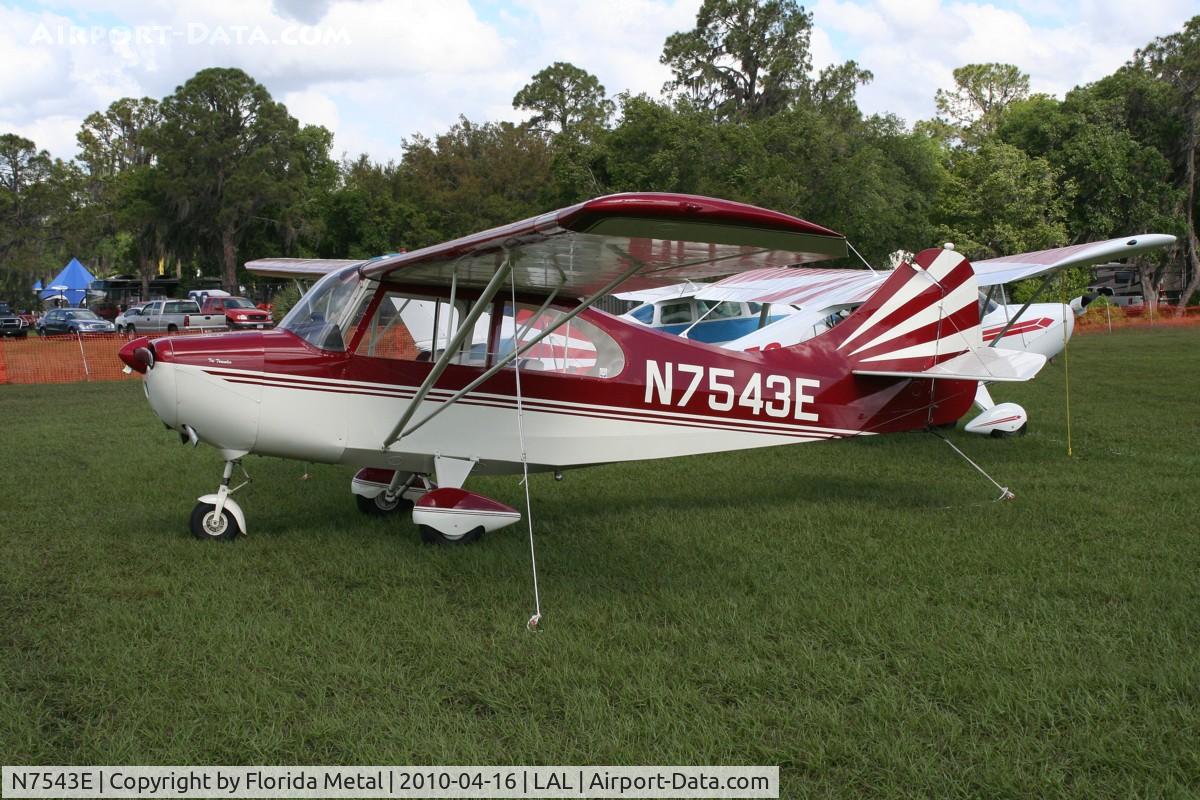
pixel 684 333
pixel 518 351
pixel 1024 308
pixel 464 329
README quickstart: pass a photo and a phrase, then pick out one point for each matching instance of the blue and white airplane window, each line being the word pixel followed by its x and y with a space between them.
pixel 676 313
pixel 643 314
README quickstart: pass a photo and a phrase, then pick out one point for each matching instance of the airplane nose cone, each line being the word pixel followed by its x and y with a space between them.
pixel 138 354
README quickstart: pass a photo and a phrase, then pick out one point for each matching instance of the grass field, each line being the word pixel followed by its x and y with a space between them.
pixel 859 613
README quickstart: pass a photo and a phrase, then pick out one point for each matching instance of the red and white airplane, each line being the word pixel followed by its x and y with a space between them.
pixel 559 384
pixel 818 299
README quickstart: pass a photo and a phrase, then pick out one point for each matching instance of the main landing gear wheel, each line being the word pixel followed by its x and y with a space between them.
pixel 206 524
pixel 433 536
pixel 1021 431
pixel 380 505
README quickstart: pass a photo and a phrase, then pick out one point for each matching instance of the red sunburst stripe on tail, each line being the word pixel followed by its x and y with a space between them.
pixel 925 313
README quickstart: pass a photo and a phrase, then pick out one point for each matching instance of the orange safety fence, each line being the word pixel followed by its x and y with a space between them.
pixel 65 359
pixel 1101 319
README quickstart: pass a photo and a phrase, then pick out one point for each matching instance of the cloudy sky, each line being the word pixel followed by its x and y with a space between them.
pixel 377 71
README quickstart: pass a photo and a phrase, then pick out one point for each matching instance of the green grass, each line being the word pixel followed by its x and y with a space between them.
pixel 859 613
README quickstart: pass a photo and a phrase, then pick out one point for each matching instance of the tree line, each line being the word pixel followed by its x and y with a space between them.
pixel 218 172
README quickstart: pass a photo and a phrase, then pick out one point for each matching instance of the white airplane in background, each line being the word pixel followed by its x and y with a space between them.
pixel 818 299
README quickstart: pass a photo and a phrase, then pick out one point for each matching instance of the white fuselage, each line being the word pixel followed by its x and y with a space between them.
pixel 338 421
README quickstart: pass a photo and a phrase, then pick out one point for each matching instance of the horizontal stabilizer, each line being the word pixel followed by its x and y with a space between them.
pixel 977 364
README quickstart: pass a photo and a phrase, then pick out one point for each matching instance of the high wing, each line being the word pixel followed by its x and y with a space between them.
pixel 303 268
pixel 796 287
pixel 638 240
pixel 993 271
pixel 833 287
pixel 656 239
pixel 685 289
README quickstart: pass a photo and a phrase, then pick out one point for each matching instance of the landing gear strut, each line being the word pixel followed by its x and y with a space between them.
pixel 380 492
pixel 218 516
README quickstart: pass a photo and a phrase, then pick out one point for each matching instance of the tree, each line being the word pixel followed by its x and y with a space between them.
pixel 566 100
pixel 744 57
pixel 369 214
pixel 999 200
pixel 982 92
pixel 837 85
pixel 138 201
pixel 1175 60
pixel 228 155
pixel 473 177
pixel 116 148
pixel 111 142
pixel 38 197
pixel 24 172
pixel 1102 140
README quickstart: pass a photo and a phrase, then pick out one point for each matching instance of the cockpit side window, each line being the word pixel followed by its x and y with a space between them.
pixel 407 327
pixel 676 313
pixel 643 314
pixel 574 346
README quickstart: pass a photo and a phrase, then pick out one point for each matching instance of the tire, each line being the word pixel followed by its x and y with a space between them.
pixel 433 536
pixel 130 330
pixel 172 329
pixel 203 526
pixel 378 505
pixel 1021 431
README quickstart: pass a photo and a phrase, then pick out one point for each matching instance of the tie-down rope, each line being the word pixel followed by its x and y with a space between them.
pixel 536 619
pixel 1005 494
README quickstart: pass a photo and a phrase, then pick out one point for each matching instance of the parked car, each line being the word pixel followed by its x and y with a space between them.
pixel 123 319
pixel 200 295
pixel 168 316
pixel 12 323
pixel 240 313
pixel 72 320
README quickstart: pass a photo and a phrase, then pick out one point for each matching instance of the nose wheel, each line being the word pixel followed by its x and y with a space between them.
pixel 208 523
pixel 218 516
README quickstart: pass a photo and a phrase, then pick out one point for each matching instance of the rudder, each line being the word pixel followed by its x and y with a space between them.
pixel 925 313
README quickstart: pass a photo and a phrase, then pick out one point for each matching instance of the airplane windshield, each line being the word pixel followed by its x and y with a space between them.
pixel 321 312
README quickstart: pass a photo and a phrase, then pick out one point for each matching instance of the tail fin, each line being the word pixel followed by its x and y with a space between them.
pixel 923 322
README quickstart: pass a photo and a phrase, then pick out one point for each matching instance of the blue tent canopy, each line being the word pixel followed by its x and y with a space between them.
pixel 75 277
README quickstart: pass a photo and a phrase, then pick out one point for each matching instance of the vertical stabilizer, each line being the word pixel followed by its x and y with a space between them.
pixel 925 313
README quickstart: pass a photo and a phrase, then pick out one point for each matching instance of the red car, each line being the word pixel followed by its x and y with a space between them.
pixel 239 312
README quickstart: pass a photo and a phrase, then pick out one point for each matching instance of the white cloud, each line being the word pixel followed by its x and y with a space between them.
pixel 313 107
pixel 620 41
pixel 914 46
pixel 55 133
